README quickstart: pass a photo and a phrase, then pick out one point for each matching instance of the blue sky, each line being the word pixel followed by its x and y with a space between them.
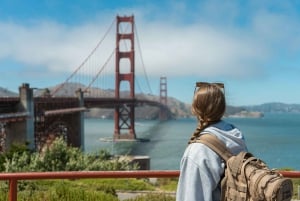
pixel 251 46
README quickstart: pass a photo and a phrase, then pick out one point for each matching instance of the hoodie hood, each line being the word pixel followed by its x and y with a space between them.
pixel 229 134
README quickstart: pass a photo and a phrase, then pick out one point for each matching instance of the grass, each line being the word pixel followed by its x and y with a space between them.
pixel 168 184
pixel 153 197
pixel 75 190
pixel 296 183
pixel 97 189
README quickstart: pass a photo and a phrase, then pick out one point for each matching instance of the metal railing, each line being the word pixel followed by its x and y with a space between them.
pixel 13 178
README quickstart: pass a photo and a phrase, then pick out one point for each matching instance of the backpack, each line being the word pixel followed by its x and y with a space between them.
pixel 247 178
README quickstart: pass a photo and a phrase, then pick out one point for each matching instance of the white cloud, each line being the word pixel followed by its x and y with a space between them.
pixel 54 46
pixel 200 49
pixel 167 48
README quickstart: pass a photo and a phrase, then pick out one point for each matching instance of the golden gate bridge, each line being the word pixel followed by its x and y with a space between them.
pixel 53 113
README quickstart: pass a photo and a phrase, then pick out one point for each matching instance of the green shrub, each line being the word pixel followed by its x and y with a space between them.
pixel 16 150
pixel 63 192
pixel 2 161
pixel 120 184
pixel 66 194
pixel 167 184
pixel 60 157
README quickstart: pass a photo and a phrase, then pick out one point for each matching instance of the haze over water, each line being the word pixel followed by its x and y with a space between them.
pixel 275 138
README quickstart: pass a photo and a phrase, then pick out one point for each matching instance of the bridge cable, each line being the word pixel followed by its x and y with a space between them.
pixel 105 64
pixel 87 58
pixel 141 56
pixel 99 72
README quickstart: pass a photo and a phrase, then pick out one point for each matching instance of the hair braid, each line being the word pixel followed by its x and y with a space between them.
pixel 208 106
pixel 201 126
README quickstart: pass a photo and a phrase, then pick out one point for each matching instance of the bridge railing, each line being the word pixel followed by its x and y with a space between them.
pixel 13 178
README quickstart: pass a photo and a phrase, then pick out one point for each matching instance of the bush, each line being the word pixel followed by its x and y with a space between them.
pixel 120 184
pixel 63 192
pixel 75 190
pixel 168 184
pixel 16 150
pixel 60 157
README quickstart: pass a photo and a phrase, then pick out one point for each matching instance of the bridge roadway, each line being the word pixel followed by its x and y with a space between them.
pixel 10 109
pixel 9 105
pixel 63 105
pixel 113 102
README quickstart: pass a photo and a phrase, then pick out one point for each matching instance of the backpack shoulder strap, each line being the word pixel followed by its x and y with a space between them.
pixel 215 144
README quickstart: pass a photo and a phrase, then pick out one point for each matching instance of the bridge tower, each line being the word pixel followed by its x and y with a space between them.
pixel 124 114
pixel 163 98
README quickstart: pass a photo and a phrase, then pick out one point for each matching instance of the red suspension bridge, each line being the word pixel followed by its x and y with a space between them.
pixel 56 112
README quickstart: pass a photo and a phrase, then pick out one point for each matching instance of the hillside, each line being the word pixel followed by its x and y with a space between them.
pixel 179 109
pixel 275 108
pixel 6 93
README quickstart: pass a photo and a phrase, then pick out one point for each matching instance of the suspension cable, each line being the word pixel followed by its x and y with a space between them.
pixel 143 65
pixel 105 64
pixel 99 72
pixel 85 60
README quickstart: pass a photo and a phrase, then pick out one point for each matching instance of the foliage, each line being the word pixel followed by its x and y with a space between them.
pixel 16 150
pixel 296 184
pixel 167 184
pixel 2 161
pixel 94 189
pixel 84 189
pixel 61 191
pixel 153 197
pixel 65 193
pixel 120 184
pixel 60 157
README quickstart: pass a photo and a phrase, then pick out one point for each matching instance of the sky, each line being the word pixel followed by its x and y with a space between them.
pixel 253 47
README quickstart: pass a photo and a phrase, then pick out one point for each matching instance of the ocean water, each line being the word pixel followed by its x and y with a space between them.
pixel 275 139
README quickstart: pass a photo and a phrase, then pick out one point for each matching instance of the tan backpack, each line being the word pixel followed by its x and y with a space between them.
pixel 246 177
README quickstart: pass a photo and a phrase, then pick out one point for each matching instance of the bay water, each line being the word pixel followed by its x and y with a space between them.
pixel 274 138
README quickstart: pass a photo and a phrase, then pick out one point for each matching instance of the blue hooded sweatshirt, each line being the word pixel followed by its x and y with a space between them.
pixel 201 168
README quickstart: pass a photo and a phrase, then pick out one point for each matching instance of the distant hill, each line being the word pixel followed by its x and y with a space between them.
pixel 275 107
pixel 6 93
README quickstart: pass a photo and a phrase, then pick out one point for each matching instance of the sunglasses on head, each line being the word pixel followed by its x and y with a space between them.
pixel 202 84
